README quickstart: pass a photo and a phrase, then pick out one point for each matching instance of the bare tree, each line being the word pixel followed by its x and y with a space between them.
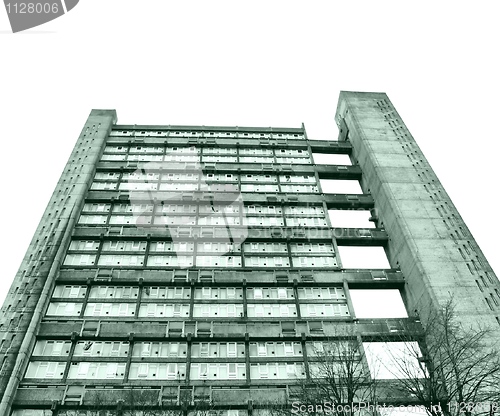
pixel 138 402
pixel 339 378
pixel 453 370
pixel 339 374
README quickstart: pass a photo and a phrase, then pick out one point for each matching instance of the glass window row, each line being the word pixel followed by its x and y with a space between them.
pixel 183 261
pixel 213 220
pixel 163 371
pixel 188 158
pixel 205 310
pixel 214 293
pixel 205 150
pixel 203 247
pixel 172 208
pixel 204 133
pixel 144 349
pixel 205 187
pixel 133 178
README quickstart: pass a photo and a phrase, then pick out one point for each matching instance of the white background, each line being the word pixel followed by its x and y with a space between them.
pixel 258 63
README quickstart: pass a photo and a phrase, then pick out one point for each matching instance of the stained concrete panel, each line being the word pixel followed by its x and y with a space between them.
pixel 425 231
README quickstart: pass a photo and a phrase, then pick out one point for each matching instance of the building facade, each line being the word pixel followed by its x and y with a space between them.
pixel 188 265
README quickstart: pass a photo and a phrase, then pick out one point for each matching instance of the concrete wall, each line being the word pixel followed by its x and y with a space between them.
pixel 428 239
pixel 25 301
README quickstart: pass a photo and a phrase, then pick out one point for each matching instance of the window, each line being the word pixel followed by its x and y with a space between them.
pixel 113 157
pixel 340 186
pixel 231 349
pixel 145 349
pixel 276 371
pixel 137 186
pixel 163 310
pixel 102 349
pixel 167 246
pixel 79 260
pixel 64 309
pixel 257 293
pixel 112 370
pixel 256 152
pixel 204 349
pixel 291 152
pixel 336 293
pixel 282 293
pixel 303 189
pixel 389 303
pixel 218 350
pixel 57 348
pixel 115 149
pixel 81 245
pixel 31 412
pixel 275 349
pixel 258 178
pixel 310 211
pixel 265 221
pixel 96 370
pixel 218 293
pixel 218 310
pixel 267 262
pixel 262 349
pixel 96 207
pixel 331 159
pixel 217 371
pixel 114 292
pixel 306 222
pixel 357 257
pixel 115 245
pixel 393 360
pixel 296 179
pixel 69 291
pixel 259 188
pixel 140 176
pixel 320 310
pixel 170 261
pixel 177 310
pixel 318 262
pixel 110 309
pixel 350 218
pixel 256 159
pixel 121 260
pixel 103 186
pixel 311 248
pixel 251 248
pixel 44 369
pixel 270 293
pixel 52 348
pixel 219 261
pixel 271 310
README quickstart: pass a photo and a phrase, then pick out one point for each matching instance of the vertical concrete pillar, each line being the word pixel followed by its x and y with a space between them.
pixel 429 241
pixel 31 288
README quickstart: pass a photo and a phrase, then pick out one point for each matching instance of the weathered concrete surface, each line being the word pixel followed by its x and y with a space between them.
pixel 428 239
pixel 25 301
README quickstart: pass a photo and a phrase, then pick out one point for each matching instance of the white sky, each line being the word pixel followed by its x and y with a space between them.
pixel 257 63
pixel 387 302
pixel 393 360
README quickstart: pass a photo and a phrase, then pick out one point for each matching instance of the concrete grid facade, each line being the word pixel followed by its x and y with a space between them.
pixel 202 262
